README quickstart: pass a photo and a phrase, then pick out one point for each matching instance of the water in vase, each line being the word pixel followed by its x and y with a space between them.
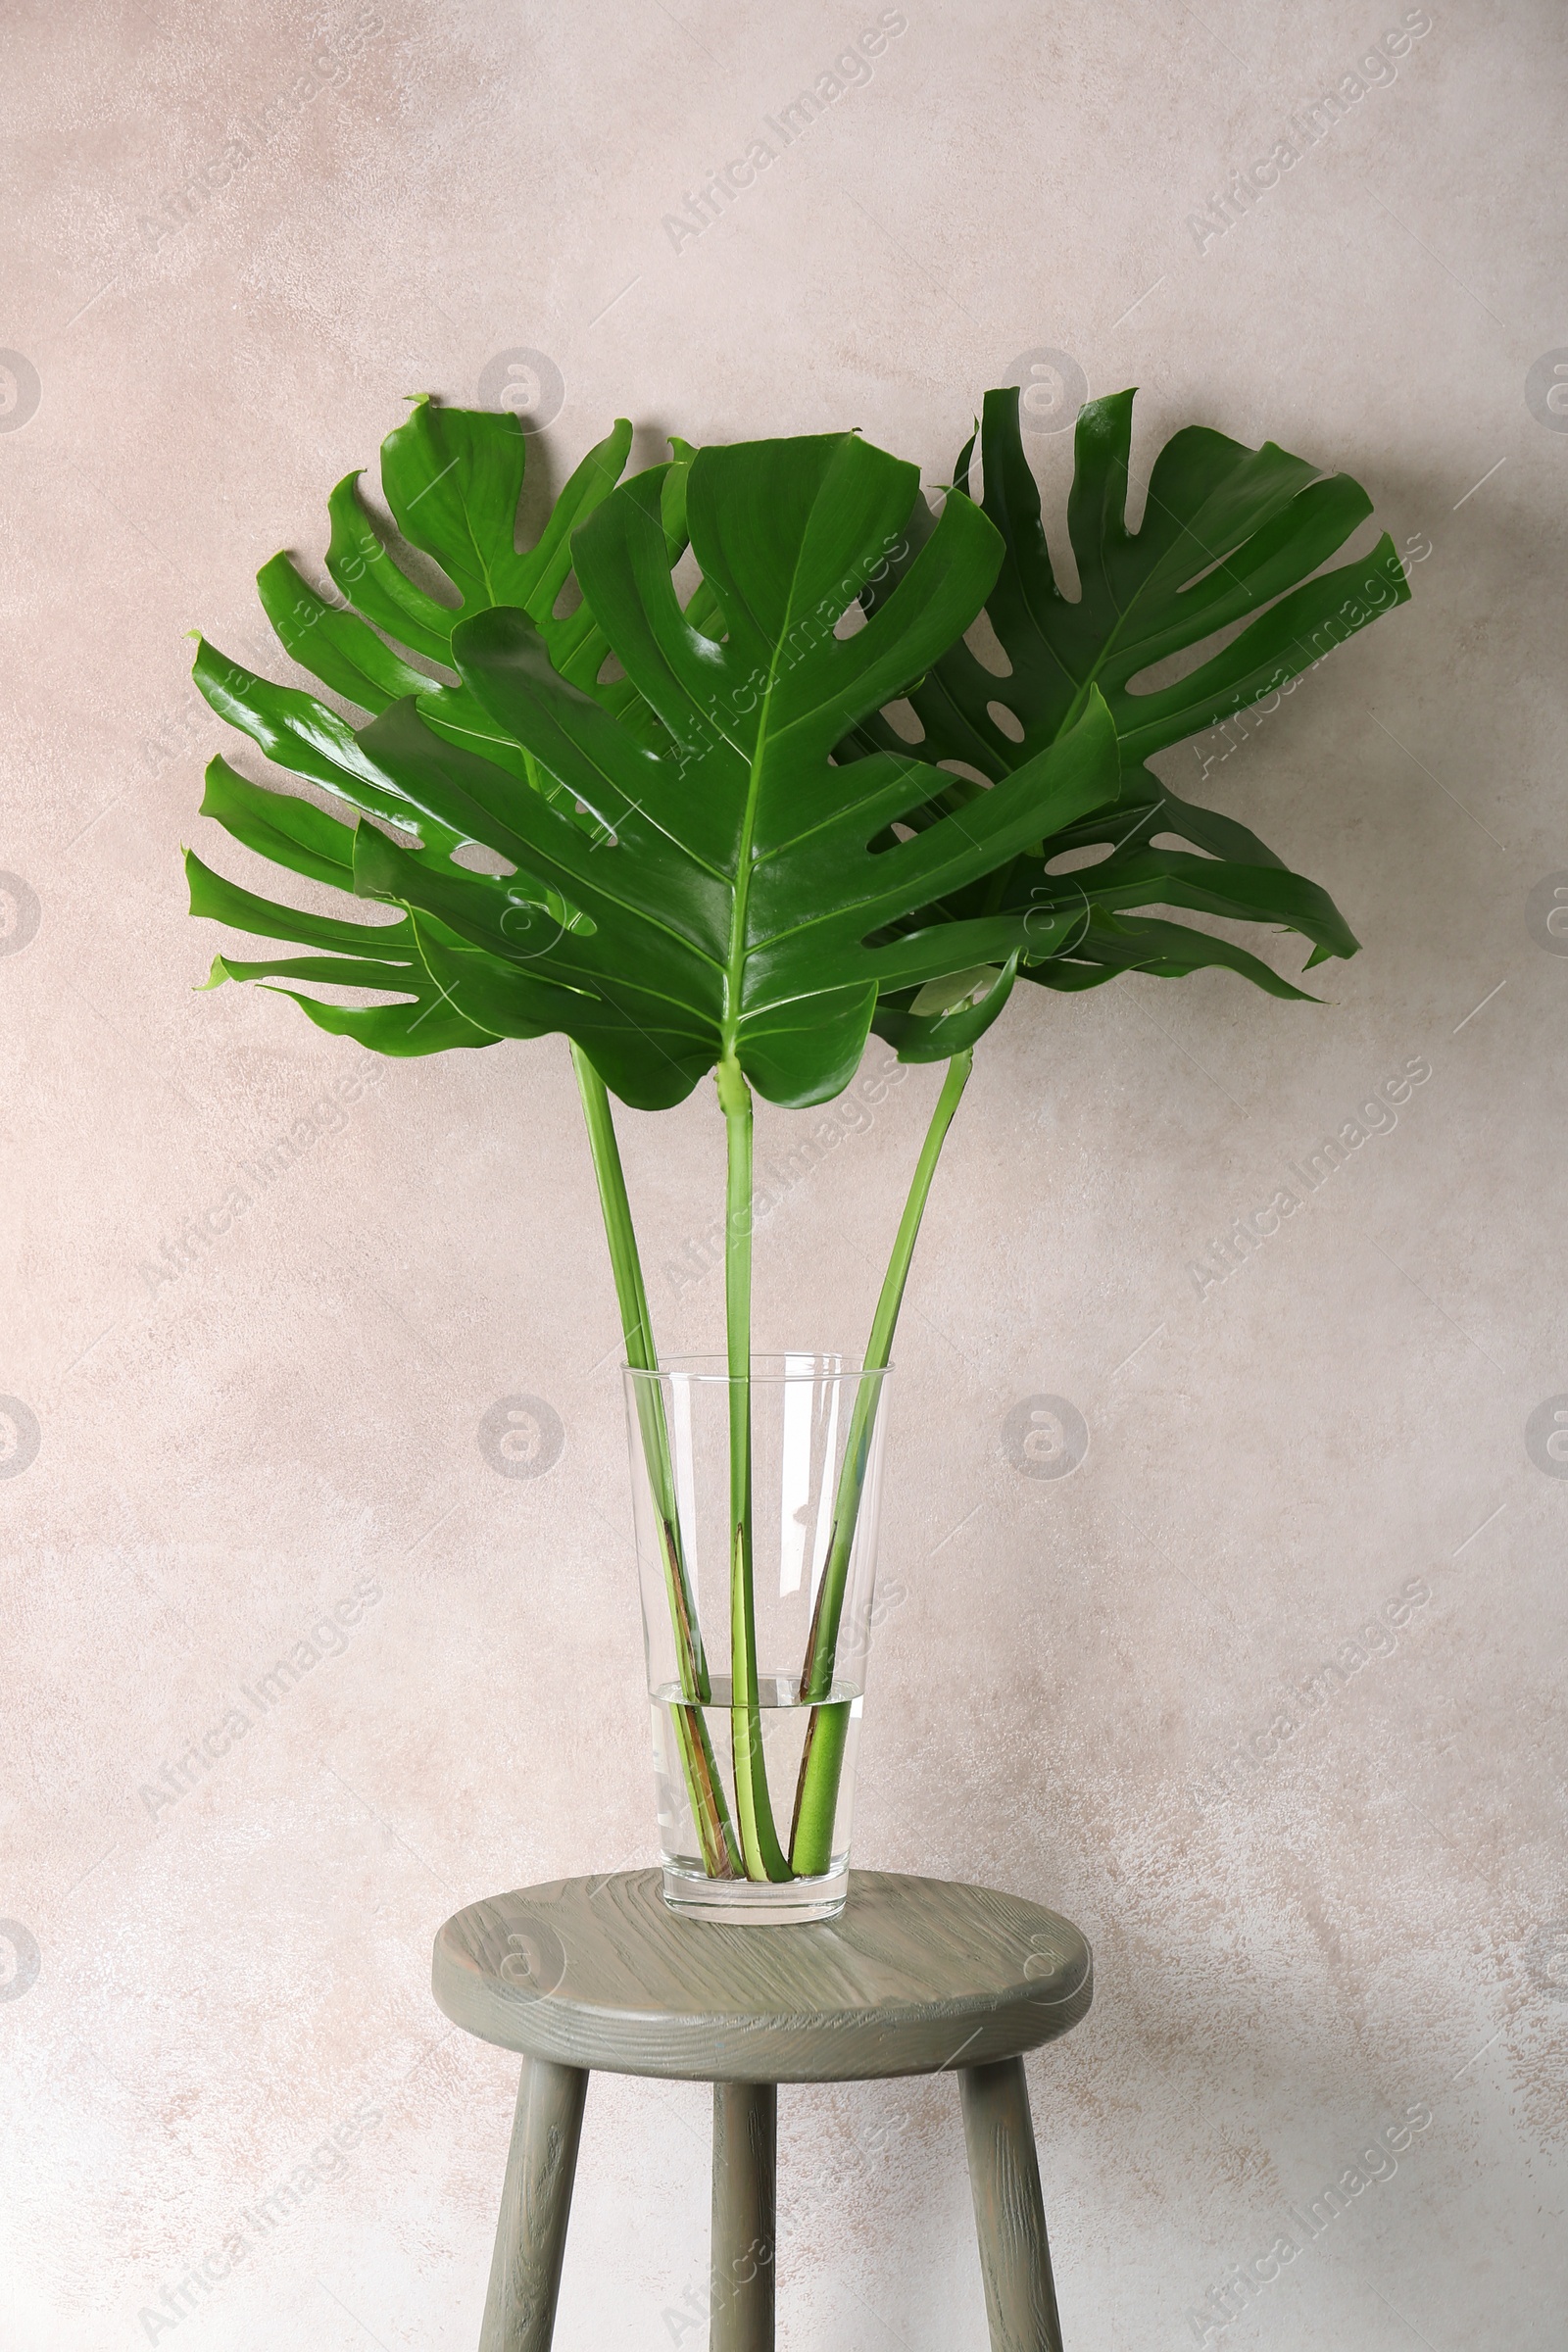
pixel 684 1759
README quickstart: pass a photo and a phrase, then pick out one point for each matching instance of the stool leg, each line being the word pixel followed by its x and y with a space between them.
pixel 1008 2217
pixel 745 2146
pixel 520 2311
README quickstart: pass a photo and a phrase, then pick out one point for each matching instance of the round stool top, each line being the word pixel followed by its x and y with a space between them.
pixel 914 1976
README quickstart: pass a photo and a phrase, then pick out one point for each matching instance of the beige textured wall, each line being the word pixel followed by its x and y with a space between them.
pixel 1368 1919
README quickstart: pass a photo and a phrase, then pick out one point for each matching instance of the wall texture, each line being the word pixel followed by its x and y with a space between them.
pixel 244 1382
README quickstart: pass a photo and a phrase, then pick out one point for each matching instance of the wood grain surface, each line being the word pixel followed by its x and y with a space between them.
pixel 1010 2219
pixel 745 2165
pixel 914 1976
pixel 520 2311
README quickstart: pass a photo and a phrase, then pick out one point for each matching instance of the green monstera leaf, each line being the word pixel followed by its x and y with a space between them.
pixel 452 479
pixel 732 910
pixel 1228 536
pixel 692 878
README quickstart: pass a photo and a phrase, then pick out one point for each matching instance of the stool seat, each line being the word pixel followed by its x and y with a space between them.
pixel 914 1976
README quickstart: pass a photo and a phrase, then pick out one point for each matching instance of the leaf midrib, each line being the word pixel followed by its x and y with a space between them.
pixel 735 970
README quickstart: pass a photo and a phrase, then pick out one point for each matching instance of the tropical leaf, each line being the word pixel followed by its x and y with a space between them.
pixel 451 480
pixel 733 885
pixel 1230 535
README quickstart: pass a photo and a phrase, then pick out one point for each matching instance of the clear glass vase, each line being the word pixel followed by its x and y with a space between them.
pixel 757 1502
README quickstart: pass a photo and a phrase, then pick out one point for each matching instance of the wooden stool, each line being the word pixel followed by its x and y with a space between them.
pixel 913 1977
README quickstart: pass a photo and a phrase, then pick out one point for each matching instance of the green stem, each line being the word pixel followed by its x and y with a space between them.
pixel 704 1786
pixel 816 1792
pixel 759 1847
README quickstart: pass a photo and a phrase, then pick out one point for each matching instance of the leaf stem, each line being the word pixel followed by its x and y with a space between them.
pixel 759 1847
pixel 706 1791
pixel 816 1792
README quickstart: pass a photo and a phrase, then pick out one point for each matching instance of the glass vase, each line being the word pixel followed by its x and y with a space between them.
pixel 757 1502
